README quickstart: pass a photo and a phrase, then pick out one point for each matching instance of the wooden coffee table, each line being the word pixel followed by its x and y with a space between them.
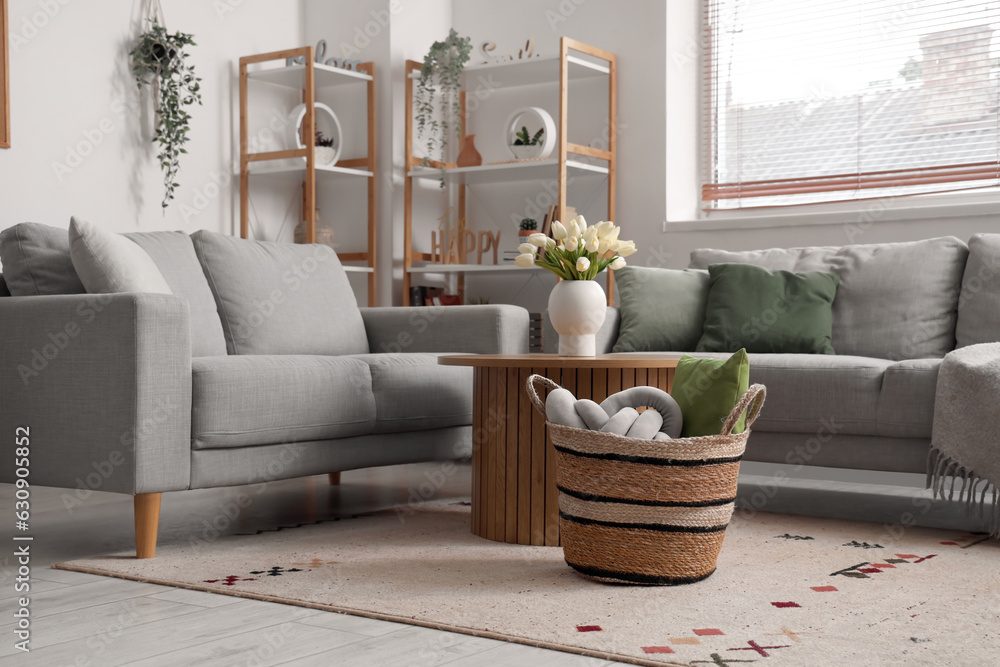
pixel 514 495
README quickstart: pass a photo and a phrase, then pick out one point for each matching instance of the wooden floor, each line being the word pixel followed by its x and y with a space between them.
pixel 82 619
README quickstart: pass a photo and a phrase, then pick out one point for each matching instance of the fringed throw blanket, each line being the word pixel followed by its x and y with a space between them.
pixel 965 438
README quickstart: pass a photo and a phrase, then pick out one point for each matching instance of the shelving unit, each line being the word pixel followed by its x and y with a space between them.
pixel 562 70
pixel 278 165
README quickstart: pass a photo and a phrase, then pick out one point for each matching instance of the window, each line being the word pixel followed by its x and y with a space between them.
pixel 834 100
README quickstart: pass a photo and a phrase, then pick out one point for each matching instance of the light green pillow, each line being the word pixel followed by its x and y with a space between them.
pixel 768 311
pixel 661 309
pixel 707 390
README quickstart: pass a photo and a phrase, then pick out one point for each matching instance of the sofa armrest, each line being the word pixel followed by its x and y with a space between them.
pixel 606 336
pixel 468 329
pixel 103 382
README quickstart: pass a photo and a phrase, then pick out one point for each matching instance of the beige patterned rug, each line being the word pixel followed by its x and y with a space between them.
pixel 789 590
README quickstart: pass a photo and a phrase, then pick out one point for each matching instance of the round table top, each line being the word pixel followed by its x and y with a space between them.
pixel 629 360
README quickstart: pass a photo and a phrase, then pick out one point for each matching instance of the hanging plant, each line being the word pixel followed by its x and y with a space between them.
pixel 441 74
pixel 159 60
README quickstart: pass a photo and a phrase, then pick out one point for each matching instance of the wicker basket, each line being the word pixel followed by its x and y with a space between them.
pixel 639 511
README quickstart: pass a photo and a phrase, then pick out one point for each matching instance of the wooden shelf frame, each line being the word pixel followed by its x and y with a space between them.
pixel 303 77
pixel 465 176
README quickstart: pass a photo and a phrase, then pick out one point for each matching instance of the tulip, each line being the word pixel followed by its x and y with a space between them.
pixel 603 247
pixel 589 233
pixel 628 248
pixel 550 243
pixel 581 223
pixel 537 239
pixel 525 261
pixel 558 230
pixel 618 263
pixel 593 244
pixel 527 248
pixel 604 228
pixel 582 264
pixel 571 243
pixel 573 228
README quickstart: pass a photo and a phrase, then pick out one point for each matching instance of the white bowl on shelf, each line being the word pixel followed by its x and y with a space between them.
pixel 541 118
pixel 526 152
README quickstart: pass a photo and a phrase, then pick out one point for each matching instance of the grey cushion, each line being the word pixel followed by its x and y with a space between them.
pixel 661 309
pixel 173 253
pixel 108 263
pixel 414 393
pixel 906 404
pixel 249 400
pixel 36 261
pixel 979 305
pixel 281 298
pixel 806 391
pixel 895 300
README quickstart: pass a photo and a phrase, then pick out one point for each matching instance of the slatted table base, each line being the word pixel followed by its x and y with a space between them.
pixel 514 495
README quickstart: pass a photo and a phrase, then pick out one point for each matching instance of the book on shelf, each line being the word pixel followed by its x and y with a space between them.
pixel 551 216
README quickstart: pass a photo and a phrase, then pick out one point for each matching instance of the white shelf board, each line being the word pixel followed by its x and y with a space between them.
pixel 289 170
pixel 471 268
pixel 529 170
pixel 295 76
pixel 358 269
pixel 527 72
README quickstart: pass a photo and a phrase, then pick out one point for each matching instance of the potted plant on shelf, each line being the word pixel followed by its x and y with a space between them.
pixel 158 59
pixel 577 253
pixel 527 146
pixel 527 227
pixel 325 152
pixel 441 76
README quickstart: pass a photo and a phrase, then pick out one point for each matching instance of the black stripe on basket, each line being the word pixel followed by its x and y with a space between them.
pixel 647 503
pixel 649 460
pixel 635 577
pixel 662 527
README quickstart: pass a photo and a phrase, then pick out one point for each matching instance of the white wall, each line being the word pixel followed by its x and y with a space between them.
pixel 73 103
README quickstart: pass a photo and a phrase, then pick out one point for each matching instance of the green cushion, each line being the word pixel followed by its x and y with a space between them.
pixel 661 309
pixel 707 390
pixel 768 311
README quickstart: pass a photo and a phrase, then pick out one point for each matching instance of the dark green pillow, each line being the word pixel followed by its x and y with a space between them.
pixel 707 390
pixel 768 311
pixel 661 309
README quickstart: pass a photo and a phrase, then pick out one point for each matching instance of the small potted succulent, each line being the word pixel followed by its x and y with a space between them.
pixel 527 146
pixel 527 227
pixel 325 153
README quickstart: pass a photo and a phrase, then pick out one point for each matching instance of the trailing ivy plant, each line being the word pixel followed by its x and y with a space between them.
pixel 159 60
pixel 441 74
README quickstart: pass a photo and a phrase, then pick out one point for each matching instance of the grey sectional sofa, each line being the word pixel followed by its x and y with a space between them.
pixel 899 308
pixel 260 366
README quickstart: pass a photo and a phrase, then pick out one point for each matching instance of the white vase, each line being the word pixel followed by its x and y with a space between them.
pixel 576 310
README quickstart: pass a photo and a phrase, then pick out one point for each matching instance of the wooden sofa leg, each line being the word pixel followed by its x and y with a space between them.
pixel 334 478
pixel 147 520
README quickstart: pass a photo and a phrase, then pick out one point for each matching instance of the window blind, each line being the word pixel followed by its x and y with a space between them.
pixel 835 100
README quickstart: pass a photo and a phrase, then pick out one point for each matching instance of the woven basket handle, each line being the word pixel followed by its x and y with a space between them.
pixel 754 399
pixel 533 392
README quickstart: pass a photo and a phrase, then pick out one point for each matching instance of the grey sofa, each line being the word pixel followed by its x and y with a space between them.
pixel 899 308
pixel 260 366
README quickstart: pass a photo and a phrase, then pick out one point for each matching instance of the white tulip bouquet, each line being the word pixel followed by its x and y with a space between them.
pixel 577 252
